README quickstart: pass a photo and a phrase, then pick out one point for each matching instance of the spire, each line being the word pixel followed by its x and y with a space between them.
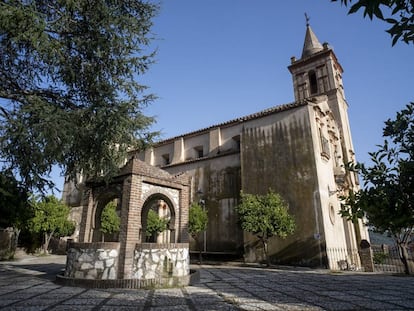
pixel 312 44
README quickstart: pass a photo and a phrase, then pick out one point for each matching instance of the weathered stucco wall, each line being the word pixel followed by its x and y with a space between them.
pixel 219 181
pixel 278 154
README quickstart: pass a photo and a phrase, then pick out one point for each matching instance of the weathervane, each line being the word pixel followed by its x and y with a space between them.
pixel 307 19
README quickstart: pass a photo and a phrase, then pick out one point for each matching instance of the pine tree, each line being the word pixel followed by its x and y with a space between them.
pixel 69 94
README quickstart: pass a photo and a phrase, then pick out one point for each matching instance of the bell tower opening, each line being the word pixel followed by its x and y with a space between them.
pixel 313 83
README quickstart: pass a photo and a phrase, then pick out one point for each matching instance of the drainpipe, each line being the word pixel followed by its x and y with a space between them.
pixel 317 234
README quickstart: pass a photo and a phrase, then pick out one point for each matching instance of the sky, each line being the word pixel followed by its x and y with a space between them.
pixel 222 59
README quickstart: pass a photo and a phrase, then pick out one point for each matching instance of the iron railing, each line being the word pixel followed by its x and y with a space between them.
pixel 385 259
pixel 343 259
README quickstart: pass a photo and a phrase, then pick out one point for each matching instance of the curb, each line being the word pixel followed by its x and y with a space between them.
pixel 192 278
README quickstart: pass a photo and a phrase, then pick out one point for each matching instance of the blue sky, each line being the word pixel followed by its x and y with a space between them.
pixel 221 59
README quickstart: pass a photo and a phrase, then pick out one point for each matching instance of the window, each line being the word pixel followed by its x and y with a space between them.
pixel 199 153
pixel 166 158
pixel 313 82
pixel 324 145
pixel 236 142
pixel 332 213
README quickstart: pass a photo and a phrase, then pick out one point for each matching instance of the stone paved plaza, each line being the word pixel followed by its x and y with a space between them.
pixel 28 285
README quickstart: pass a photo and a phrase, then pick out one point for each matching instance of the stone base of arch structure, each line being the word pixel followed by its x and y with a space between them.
pixel 138 188
pixel 154 265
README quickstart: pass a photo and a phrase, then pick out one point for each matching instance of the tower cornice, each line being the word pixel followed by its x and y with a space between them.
pixel 326 52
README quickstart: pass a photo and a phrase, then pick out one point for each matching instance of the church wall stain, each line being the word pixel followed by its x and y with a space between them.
pixel 281 157
pixel 219 181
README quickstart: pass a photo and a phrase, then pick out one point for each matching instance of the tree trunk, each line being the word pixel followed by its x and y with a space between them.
pixel 15 241
pixel 200 250
pixel 357 234
pixel 200 257
pixel 266 251
pixel 403 253
pixel 48 237
pixel 46 243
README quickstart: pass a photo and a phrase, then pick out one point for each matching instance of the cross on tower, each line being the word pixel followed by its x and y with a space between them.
pixel 307 19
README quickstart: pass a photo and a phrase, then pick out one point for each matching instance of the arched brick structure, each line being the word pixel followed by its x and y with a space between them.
pixel 165 208
pixel 137 186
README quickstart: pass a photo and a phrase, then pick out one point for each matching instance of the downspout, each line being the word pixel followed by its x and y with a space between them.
pixel 317 234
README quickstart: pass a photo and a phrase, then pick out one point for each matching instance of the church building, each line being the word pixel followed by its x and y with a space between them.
pixel 297 149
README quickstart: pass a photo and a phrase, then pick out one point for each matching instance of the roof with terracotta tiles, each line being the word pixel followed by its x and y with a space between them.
pixel 256 115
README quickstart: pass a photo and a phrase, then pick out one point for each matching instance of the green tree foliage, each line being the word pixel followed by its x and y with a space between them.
pixel 67 229
pixel 197 223
pixel 14 209
pixel 69 94
pixel 398 13
pixel 265 216
pixel 387 197
pixel 110 221
pixel 155 224
pixel 198 220
pixel 50 218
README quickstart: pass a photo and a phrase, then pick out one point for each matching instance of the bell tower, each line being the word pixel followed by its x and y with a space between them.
pixel 318 72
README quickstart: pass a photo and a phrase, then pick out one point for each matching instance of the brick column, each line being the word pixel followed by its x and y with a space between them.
pixel 86 218
pixel 130 224
pixel 183 236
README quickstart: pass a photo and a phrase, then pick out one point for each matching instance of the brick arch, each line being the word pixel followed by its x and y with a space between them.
pixel 102 197
pixel 159 190
pixel 148 204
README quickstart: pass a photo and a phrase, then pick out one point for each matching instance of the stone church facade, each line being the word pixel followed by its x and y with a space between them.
pixel 296 149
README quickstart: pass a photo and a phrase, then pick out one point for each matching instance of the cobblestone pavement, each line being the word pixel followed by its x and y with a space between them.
pixel 28 285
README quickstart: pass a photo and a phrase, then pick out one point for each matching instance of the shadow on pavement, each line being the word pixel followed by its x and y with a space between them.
pixel 47 270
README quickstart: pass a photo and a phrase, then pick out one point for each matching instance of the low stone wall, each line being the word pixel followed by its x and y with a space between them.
pixel 156 261
pixel 154 265
pixel 8 243
pixel 95 261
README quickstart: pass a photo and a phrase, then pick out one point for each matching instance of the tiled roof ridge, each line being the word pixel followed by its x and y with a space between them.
pixel 252 116
pixel 137 166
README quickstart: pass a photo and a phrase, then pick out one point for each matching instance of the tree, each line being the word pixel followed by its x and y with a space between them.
pixel 155 224
pixel 110 221
pixel 197 223
pixel 50 219
pixel 69 95
pixel 398 13
pixel 387 197
pixel 14 209
pixel 265 216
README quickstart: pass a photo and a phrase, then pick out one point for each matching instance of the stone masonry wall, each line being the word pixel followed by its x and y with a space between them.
pixel 154 261
pixel 8 243
pixel 97 261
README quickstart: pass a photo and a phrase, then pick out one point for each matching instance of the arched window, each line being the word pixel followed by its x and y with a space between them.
pixel 313 83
